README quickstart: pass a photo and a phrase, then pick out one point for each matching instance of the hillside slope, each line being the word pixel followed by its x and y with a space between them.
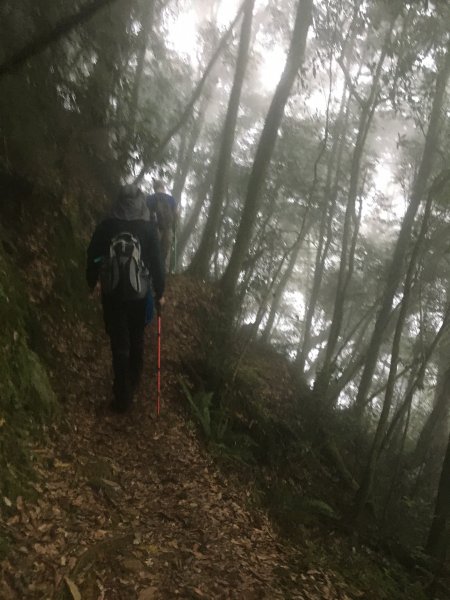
pixel 134 507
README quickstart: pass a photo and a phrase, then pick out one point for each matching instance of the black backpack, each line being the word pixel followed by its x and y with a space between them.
pixel 123 274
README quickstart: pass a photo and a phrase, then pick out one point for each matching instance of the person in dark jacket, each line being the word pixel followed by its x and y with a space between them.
pixel 163 212
pixel 125 319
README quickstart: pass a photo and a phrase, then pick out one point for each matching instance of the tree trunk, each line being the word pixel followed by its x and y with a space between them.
pixel 349 230
pixel 195 96
pixel 193 217
pixel 280 290
pixel 187 149
pixel 200 263
pixel 396 267
pixel 42 42
pixel 146 29
pixel 438 537
pixel 293 252
pixel 368 476
pixel 436 425
pixel 265 150
pixel 325 231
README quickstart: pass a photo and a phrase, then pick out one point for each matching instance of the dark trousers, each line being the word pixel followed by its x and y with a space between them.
pixel 165 243
pixel 125 325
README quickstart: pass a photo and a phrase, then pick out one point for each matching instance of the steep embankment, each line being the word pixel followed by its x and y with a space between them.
pixel 39 282
pixel 133 507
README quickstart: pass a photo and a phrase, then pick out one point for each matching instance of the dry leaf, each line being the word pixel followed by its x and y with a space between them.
pixel 59 464
pixel 73 588
pixel 148 594
pixel 132 564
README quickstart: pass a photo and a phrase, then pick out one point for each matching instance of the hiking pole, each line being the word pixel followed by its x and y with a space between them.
pixel 158 362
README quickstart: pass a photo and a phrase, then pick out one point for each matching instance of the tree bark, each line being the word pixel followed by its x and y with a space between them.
pixel 144 34
pixel 293 252
pixel 369 473
pixel 349 231
pixel 42 42
pixel 325 231
pixel 200 262
pixel 265 150
pixel 436 424
pixel 438 536
pixel 396 267
pixel 195 96
pixel 280 290
pixel 193 216
pixel 187 152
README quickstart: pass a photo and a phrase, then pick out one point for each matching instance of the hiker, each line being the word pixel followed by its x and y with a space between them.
pixel 163 212
pixel 124 257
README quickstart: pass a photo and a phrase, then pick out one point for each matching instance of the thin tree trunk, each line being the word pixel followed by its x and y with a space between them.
pixel 418 378
pixel 200 262
pixel 147 26
pixel 396 267
pixel 437 420
pixel 193 216
pixel 280 290
pixel 293 252
pixel 438 536
pixel 195 96
pixel 187 150
pixel 265 150
pixel 368 477
pixel 43 41
pixel 325 231
pixel 348 238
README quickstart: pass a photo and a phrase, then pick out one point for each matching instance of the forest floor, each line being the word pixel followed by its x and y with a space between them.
pixel 133 506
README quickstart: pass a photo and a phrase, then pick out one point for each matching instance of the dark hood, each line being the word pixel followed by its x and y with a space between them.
pixel 130 205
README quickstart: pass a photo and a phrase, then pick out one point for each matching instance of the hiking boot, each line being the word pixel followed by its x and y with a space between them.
pixel 118 408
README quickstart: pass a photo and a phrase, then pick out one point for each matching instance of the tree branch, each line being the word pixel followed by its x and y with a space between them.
pixel 44 40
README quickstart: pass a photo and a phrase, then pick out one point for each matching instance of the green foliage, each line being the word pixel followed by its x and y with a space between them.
pixel 292 510
pixel 379 579
pixel 29 299
pixel 200 404
pixel 218 428
pixel 27 400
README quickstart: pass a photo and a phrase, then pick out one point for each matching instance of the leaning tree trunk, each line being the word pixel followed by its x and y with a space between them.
pixel 193 217
pixel 200 262
pixel 325 229
pixel 187 148
pixel 293 251
pixel 395 272
pixel 185 115
pixel 369 473
pixel 278 295
pixel 265 150
pixel 349 231
pixel 102 86
pixel 438 536
pixel 144 35
pixel 64 27
pixel 436 425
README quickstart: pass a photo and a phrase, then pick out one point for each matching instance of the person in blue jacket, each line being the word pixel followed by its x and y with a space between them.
pixel 163 213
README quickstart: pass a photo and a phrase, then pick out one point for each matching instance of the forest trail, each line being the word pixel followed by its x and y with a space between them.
pixel 132 507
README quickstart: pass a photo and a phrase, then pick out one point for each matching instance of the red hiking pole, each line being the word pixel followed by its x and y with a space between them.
pixel 158 363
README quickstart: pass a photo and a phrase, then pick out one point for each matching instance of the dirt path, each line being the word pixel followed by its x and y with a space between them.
pixel 132 507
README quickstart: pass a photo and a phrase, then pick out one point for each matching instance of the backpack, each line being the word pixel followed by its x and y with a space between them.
pixel 161 213
pixel 123 274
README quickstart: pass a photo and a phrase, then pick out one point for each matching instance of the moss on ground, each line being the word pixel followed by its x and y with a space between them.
pixel 27 400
